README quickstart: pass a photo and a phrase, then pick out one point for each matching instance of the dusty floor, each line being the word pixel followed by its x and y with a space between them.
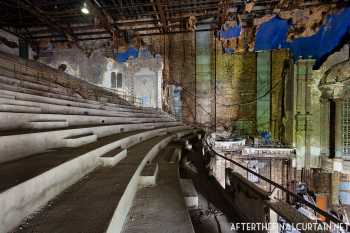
pixel 88 206
pixel 161 208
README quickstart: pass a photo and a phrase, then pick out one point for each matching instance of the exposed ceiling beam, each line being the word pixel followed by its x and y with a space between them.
pixel 140 35
pixel 161 13
pixel 136 29
pixel 41 16
pixel 104 18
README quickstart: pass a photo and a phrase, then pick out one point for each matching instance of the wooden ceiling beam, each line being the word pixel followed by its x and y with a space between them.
pixel 161 13
pixel 41 16
pixel 104 18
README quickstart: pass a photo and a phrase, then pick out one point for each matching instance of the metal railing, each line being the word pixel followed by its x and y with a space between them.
pixel 123 94
pixel 329 217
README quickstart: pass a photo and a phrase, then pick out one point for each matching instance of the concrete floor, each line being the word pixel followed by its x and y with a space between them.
pixel 88 206
pixel 161 208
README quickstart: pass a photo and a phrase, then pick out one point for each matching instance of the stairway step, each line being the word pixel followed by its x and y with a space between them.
pixel 112 157
pixel 19 108
pixel 80 140
pixel 189 192
pixel 149 175
pixel 47 124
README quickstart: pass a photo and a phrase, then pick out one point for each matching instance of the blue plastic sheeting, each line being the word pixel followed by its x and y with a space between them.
pixel 230 33
pixel 124 56
pixel 273 35
pixel 325 40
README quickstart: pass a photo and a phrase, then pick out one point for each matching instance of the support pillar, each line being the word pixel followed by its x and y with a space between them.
pixel 335 182
pixel 303 115
pixel 338 128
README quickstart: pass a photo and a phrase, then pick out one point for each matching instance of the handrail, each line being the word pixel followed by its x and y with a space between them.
pixel 300 199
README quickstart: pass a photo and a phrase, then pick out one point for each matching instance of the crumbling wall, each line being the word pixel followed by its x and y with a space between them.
pixel 180 57
pixel 78 64
pixel 279 71
pixel 204 77
pixel 236 92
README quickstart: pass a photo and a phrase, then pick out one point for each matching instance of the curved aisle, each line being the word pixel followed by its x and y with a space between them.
pixel 161 208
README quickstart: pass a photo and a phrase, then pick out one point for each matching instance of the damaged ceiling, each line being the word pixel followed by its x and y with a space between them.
pixel 62 20
pixel 238 22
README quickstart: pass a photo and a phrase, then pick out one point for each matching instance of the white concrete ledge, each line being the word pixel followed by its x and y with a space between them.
pixel 189 192
pixel 12 120
pixel 33 85
pixel 79 141
pixel 26 106
pixel 149 178
pixel 77 102
pixel 19 146
pixel 7 87
pixel 18 108
pixel 112 161
pixel 54 124
pixel 20 201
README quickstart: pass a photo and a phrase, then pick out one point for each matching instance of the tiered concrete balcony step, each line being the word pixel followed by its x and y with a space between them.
pixel 189 192
pixel 43 141
pixel 89 205
pixel 16 172
pixel 47 124
pixel 27 197
pixel 60 109
pixel 32 85
pixel 19 108
pixel 112 157
pixel 149 175
pixel 7 87
pixel 12 120
pixel 80 140
pixel 27 131
pixel 160 208
pixel 77 102
pixel 7 96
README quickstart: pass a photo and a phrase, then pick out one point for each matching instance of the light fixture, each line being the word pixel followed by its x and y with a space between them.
pixel 85 9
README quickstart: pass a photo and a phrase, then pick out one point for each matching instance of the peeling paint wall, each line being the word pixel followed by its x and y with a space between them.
pixel 263 82
pixel 236 92
pixel 278 70
pixel 204 77
pixel 91 68
pixel 181 65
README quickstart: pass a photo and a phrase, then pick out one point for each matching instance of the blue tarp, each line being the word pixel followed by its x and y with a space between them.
pixel 273 35
pixel 231 32
pixel 124 56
